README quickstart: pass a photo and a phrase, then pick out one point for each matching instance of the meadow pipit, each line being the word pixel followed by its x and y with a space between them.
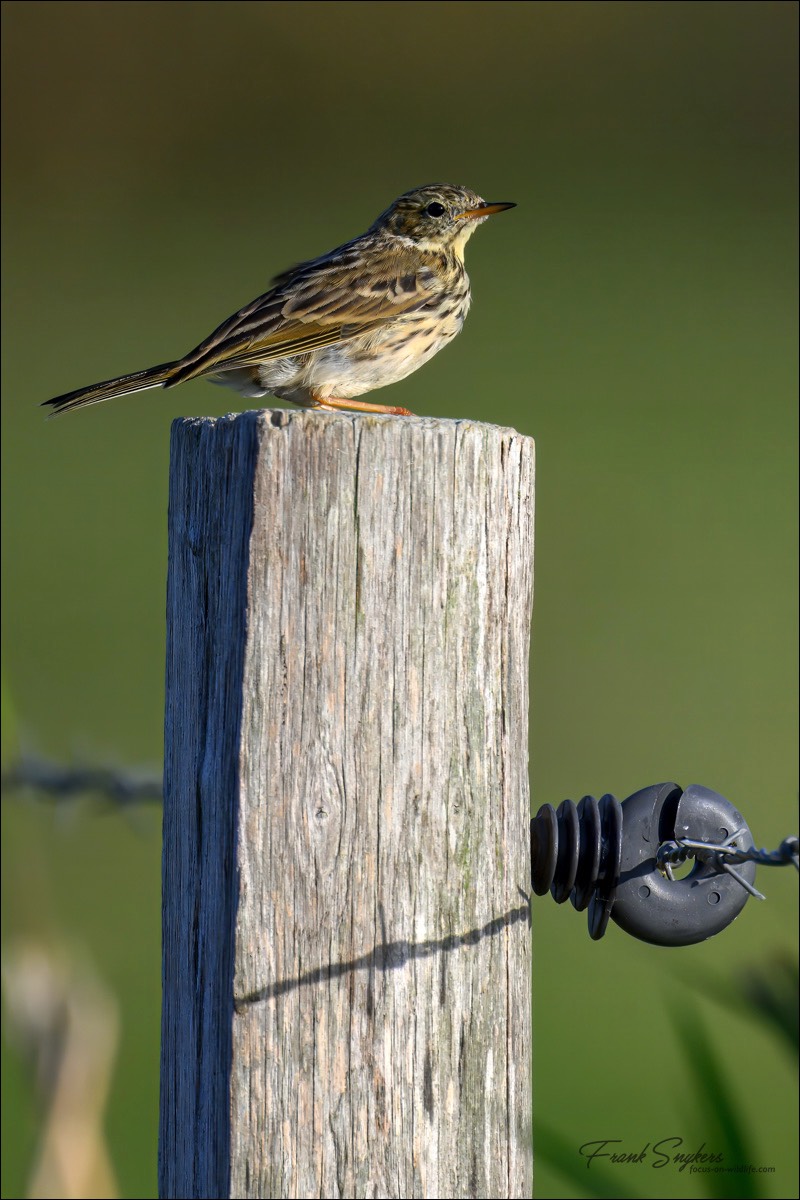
pixel 333 328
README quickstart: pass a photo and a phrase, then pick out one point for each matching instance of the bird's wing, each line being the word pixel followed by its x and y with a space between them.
pixel 330 300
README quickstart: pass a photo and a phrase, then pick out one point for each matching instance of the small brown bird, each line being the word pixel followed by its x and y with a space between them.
pixel 365 315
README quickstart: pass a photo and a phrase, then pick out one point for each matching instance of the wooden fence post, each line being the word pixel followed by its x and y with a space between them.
pixel 346 966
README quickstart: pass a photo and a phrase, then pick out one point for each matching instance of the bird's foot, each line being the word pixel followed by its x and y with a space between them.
pixel 333 403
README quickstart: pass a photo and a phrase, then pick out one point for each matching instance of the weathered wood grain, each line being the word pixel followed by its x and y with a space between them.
pixel 346 933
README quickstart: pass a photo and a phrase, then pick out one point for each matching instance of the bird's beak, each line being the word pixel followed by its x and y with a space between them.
pixel 484 210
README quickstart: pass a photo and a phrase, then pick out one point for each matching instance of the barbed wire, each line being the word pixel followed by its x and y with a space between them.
pixel 722 855
pixel 57 781
pixel 126 786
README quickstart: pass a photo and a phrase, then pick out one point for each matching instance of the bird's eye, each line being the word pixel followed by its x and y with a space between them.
pixel 435 209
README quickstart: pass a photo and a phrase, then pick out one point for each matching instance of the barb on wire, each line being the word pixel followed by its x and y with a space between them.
pixel 723 855
pixel 59 782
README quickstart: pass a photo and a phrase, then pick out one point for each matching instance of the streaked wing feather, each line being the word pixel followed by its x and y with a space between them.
pixel 320 303
pixel 248 354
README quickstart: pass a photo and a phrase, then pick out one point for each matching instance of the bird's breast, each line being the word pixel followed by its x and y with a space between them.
pixel 374 360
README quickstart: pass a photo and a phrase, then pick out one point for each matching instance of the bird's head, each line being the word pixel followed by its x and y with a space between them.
pixel 437 217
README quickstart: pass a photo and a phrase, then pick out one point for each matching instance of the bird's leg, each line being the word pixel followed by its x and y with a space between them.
pixel 334 402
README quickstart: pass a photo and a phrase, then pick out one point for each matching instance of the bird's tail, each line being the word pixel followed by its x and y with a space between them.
pixel 140 381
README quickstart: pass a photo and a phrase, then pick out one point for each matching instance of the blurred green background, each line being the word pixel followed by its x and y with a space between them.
pixel 636 314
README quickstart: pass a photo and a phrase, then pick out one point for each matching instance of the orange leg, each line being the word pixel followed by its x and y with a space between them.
pixel 333 403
